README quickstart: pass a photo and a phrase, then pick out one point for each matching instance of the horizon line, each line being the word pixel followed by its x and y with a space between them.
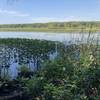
pixel 51 22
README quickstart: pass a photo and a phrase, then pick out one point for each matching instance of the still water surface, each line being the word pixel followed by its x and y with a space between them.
pixel 50 36
pixel 61 37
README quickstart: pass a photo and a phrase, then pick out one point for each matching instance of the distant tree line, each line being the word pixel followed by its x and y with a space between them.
pixel 54 25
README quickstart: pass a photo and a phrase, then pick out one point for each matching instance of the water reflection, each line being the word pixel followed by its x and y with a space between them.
pixel 49 36
pixel 17 52
pixel 30 52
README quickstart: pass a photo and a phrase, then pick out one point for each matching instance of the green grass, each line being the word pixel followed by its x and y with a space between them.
pixel 49 30
pixel 53 27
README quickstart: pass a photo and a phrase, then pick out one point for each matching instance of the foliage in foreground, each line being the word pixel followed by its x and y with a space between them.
pixel 68 77
pixel 73 75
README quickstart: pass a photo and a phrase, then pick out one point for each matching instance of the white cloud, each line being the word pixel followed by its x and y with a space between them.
pixel 13 13
pixel 49 19
pixel 64 19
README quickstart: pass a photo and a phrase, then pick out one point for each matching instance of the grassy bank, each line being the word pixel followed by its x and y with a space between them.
pixel 53 27
pixel 47 30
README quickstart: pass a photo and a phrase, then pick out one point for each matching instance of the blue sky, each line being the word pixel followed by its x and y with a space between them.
pixel 32 11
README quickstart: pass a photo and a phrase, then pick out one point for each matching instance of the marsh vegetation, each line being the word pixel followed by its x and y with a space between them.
pixel 50 70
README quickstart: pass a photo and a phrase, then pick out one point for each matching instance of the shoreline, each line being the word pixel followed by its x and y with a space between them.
pixel 49 30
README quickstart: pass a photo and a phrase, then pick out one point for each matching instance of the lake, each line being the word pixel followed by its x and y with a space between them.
pixel 62 37
pixel 15 52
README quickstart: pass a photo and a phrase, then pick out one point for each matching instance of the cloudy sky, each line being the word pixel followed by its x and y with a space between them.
pixel 32 11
